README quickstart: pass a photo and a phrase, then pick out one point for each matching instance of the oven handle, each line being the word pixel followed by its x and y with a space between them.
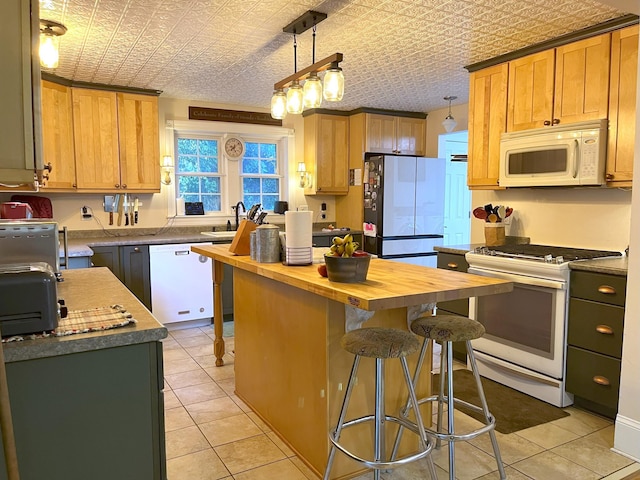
pixel 521 279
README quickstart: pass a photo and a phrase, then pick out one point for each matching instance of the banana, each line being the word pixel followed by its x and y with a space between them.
pixel 348 238
pixel 337 240
pixel 349 248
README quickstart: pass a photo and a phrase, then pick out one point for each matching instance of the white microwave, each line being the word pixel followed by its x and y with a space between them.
pixel 561 155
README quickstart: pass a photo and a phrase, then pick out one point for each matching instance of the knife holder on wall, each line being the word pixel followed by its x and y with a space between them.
pixel 241 244
pixel 494 234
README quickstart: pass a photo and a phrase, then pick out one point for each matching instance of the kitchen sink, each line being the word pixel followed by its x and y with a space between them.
pixel 224 235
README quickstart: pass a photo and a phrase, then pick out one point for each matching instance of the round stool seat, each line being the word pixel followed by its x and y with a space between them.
pixel 447 328
pixel 380 342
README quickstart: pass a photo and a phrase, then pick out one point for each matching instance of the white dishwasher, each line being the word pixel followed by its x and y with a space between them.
pixel 181 283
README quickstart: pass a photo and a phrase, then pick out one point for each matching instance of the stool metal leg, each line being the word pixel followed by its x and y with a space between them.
pixel 441 397
pixel 379 446
pixel 485 409
pixel 451 411
pixel 343 412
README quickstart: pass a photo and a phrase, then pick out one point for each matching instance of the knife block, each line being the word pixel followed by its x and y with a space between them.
pixel 241 242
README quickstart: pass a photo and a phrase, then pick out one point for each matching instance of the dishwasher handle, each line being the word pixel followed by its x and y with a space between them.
pixel 182 252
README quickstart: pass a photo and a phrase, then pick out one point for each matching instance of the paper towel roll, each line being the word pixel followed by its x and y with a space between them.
pixel 179 206
pixel 298 228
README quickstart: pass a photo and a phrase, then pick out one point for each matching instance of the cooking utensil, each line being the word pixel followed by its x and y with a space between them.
pixel 112 207
pixel 488 208
pixel 492 218
pixel 480 213
pixel 126 209
pixel 135 210
pixel 120 201
pixel 502 211
pixel 251 214
pixel 509 211
pixel 260 219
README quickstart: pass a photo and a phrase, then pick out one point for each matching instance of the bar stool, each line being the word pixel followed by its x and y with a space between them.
pixel 380 343
pixel 446 329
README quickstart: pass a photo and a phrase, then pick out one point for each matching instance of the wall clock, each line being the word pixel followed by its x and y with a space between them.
pixel 234 147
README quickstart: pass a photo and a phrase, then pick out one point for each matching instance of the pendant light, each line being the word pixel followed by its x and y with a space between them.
pixel 313 84
pixel 449 122
pixel 333 84
pixel 50 33
pixel 295 94
pixel 279 104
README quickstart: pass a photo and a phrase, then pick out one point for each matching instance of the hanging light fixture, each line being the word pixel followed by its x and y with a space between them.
pixel 279 104
pixel 50 33
pixel 311 95
pixel 449 122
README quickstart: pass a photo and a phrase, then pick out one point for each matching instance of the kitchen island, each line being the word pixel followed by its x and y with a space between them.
pixel 90 405
pixel 289 366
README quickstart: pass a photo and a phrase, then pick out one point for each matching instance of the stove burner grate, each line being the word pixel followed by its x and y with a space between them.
pixel 546 252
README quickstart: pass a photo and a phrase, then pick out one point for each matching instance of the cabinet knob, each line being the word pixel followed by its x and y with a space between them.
pixel 124 185
pixel 136 249
pixel 600 380
pixel 48 167
pixel 117 185
pixel 604 329
pixel 606 290
pixel 609 177
pixel 547 123
pixel 452 265
pixel 556 121
pixel 75 185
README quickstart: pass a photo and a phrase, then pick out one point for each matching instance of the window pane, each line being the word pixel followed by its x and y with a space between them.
pixel 208 147
pixel 270 185
pixel 250 165
pixel 188 184
pixel 209 164
pixel 268 166
pixel 210 185
pixel 250 200
pixel 251 185
pixel 187 163
pixel 191 198
pixel 268 201
pixel 187 146
pixel 212 203
pixel 252 149
pixel 268 150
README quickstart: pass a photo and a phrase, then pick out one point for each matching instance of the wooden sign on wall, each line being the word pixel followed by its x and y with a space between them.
pixel 236 116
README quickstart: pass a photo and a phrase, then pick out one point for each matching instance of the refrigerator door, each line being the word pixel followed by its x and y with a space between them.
pixel 410 246
pixel 399 196
pixel 429 200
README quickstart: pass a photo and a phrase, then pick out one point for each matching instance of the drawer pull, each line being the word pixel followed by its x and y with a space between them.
pixel 604 329
pixel 600 380
pixel 452 265
pixel 606 290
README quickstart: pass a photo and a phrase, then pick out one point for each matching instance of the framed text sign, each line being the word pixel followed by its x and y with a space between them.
pixel 236 116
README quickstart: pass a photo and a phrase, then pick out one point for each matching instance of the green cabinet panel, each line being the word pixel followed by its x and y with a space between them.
pixel 598 287
pixel 96 414
pixel 326 240
pixel 455 262
pixel 108 257
pixel 596 326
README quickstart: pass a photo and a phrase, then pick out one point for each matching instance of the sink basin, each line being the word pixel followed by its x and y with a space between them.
pixel 224 235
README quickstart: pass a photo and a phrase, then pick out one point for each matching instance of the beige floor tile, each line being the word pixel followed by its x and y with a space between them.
pixel 306 471
pixel 170 344
pixel 280 444
pixel 196 341
pixel 176 418
pixel 417 470
pixel 179 365
pixel 229 429
pixel 471 462
pixel 224 372
pixel 547 435
pixel 200 350
pixel 206 360
pixel 186 379
pixel 258 421
pixel 170 400
pixel 238 401
pixel 199 393
pixel 249 453
pixel 184 333
pixel 581 422
pixel 512 474
pixel 282 470
pixel 593 452
pixel 228 385
pixel 210 410
pixel 185 441
pixel 205 465
pixel 513 448
pixel 177 353
pixel 549 466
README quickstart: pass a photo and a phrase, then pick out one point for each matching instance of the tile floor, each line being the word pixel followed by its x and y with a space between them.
pixel 211 434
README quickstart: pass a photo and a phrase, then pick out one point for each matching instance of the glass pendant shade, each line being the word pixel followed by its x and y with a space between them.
pixel 333 84
pixel 449 123
pixel 49 50
pixel 295 94
pixel 279 105
pixel 312 91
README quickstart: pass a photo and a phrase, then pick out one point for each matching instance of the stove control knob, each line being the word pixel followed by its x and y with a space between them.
pixel 548 258
pixel 559 259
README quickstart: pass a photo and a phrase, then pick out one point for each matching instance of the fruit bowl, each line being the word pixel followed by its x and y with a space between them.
pixel 347 269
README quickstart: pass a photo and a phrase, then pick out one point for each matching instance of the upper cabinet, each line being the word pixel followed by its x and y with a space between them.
pixel 487 121
pixel 395 134
pixel 20 155
pixel 116 141
pixel 563 85
pixel 326 153
pixel 57 137
pixel 622 107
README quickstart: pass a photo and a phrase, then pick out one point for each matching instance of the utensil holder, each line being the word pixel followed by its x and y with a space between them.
pixel 494 234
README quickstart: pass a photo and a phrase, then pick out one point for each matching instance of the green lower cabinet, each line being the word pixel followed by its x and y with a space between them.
pixel 455 262
pixel 95 415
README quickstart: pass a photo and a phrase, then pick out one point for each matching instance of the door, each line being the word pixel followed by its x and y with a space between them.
pixel 399 196
pixel 457 196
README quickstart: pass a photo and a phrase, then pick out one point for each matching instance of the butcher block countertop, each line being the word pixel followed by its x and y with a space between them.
pixel 389 284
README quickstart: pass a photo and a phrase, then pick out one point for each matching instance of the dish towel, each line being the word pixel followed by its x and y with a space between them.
pixel 84 321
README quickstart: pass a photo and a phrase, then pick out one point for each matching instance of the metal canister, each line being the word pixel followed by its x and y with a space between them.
pixel 268 244
pixel 252 245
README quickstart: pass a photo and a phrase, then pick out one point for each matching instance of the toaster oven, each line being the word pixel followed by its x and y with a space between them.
pixel 27 241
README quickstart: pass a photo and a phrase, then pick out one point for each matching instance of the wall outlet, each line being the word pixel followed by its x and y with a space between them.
pixel 85 213
pixel 323 211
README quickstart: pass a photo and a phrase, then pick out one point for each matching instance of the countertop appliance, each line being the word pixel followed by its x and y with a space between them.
pixel 28 295
pixel 15 210
pixel 524 346
pixel 559 155
pixel 25 241
pixel 181 284
pixel 404 207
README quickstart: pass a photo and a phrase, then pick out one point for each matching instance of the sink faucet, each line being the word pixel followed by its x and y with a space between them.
pixel 236 208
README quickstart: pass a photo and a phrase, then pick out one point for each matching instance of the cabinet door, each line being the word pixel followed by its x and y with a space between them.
pixel 138 141
pixel 327 153
pixel 95 133
pixel 487 121
pixel 57 136
pixel 530 97
pixel 136 271
pixel 108 257
pixel 582 80
pixel 381 133
pixel 622 106
pixel 410 133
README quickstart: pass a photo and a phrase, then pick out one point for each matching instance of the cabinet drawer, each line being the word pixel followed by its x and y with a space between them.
pixel 584 368
pixel 598 287
pixel 452 261
pixel 596 326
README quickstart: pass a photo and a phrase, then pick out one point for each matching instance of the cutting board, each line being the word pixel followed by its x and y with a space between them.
pixel 241 244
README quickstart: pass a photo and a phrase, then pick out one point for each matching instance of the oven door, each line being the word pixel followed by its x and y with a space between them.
pixel 525 326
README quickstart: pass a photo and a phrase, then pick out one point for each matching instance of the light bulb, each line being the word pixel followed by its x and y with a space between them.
pixel 49 50
pixel 312 91
pixel 295 96
pixel 334 84
pixel 279 105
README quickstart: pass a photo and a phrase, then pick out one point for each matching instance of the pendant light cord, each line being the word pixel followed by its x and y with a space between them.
pixel 295 55
pixel 313 54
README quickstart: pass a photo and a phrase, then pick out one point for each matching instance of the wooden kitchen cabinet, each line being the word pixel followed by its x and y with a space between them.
pixel 57 136
pixel 595 332
pixel 563 85
pixel 116 141
pixel 395 135
pixel 487 121
pixel 326 153
pixel 622 107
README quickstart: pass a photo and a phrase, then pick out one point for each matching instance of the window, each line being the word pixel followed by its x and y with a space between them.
pixel 259 173
pixel 198 172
